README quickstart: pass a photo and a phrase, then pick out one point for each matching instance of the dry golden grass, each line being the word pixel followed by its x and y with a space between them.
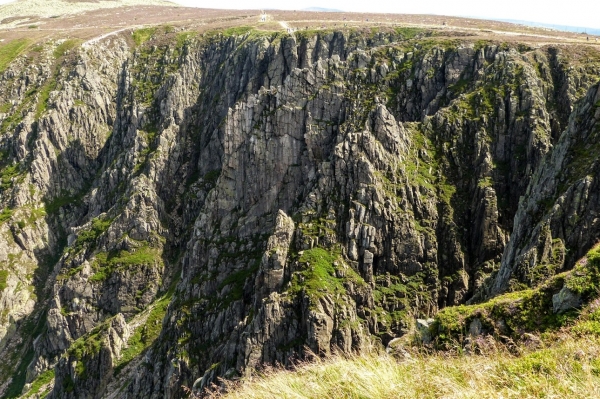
pixel 570 368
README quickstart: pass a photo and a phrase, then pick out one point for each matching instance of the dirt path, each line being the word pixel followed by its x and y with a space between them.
pixel 288 28
pixel 98 38
pixel 567 37
pixel 95 25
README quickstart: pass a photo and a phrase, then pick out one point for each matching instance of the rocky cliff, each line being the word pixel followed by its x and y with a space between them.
pixel 177 207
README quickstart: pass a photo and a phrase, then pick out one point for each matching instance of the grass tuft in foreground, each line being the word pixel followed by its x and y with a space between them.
pixel 570 368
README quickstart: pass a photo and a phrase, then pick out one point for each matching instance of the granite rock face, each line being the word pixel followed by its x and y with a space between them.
pixel 195 207
pixel 557 220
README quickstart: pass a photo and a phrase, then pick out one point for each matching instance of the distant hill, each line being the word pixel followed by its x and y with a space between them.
pixel 566 28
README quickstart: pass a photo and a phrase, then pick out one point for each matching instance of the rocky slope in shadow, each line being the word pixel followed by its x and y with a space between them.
pixel 195 206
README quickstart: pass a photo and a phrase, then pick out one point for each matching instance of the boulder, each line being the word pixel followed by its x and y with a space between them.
pixel 423 331
pixel 565 300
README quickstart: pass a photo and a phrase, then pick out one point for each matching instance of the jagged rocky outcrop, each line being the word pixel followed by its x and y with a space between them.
pixel 196 206
pixel 557 221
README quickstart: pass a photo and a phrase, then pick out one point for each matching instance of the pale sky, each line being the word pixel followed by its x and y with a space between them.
pixel 584 13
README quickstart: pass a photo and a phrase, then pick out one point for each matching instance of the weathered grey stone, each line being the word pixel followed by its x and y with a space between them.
pixel 271 272
pixel 565 300
pixel 475 328
pixel 400 175
pixel 423 330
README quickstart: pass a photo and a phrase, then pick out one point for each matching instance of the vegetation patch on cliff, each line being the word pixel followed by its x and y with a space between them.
pixel 513 314
pixel 12 50
pixel 7 176
pixel 106 263
pixel 145 334
pixel 140 36
pixel 6 214
pixel 41 383
pixel 65 47
pixel 3 279
pixel 89 236
pixel 317 278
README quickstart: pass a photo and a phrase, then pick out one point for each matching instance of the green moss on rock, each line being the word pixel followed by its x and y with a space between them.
pixel 89 237
pixel 40 382
pixel 145 334
pixel 317 277
pixel 3 279
pixel 105 263
pixel 529 310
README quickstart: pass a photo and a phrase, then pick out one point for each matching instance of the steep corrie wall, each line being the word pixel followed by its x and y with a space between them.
pixel 192 207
